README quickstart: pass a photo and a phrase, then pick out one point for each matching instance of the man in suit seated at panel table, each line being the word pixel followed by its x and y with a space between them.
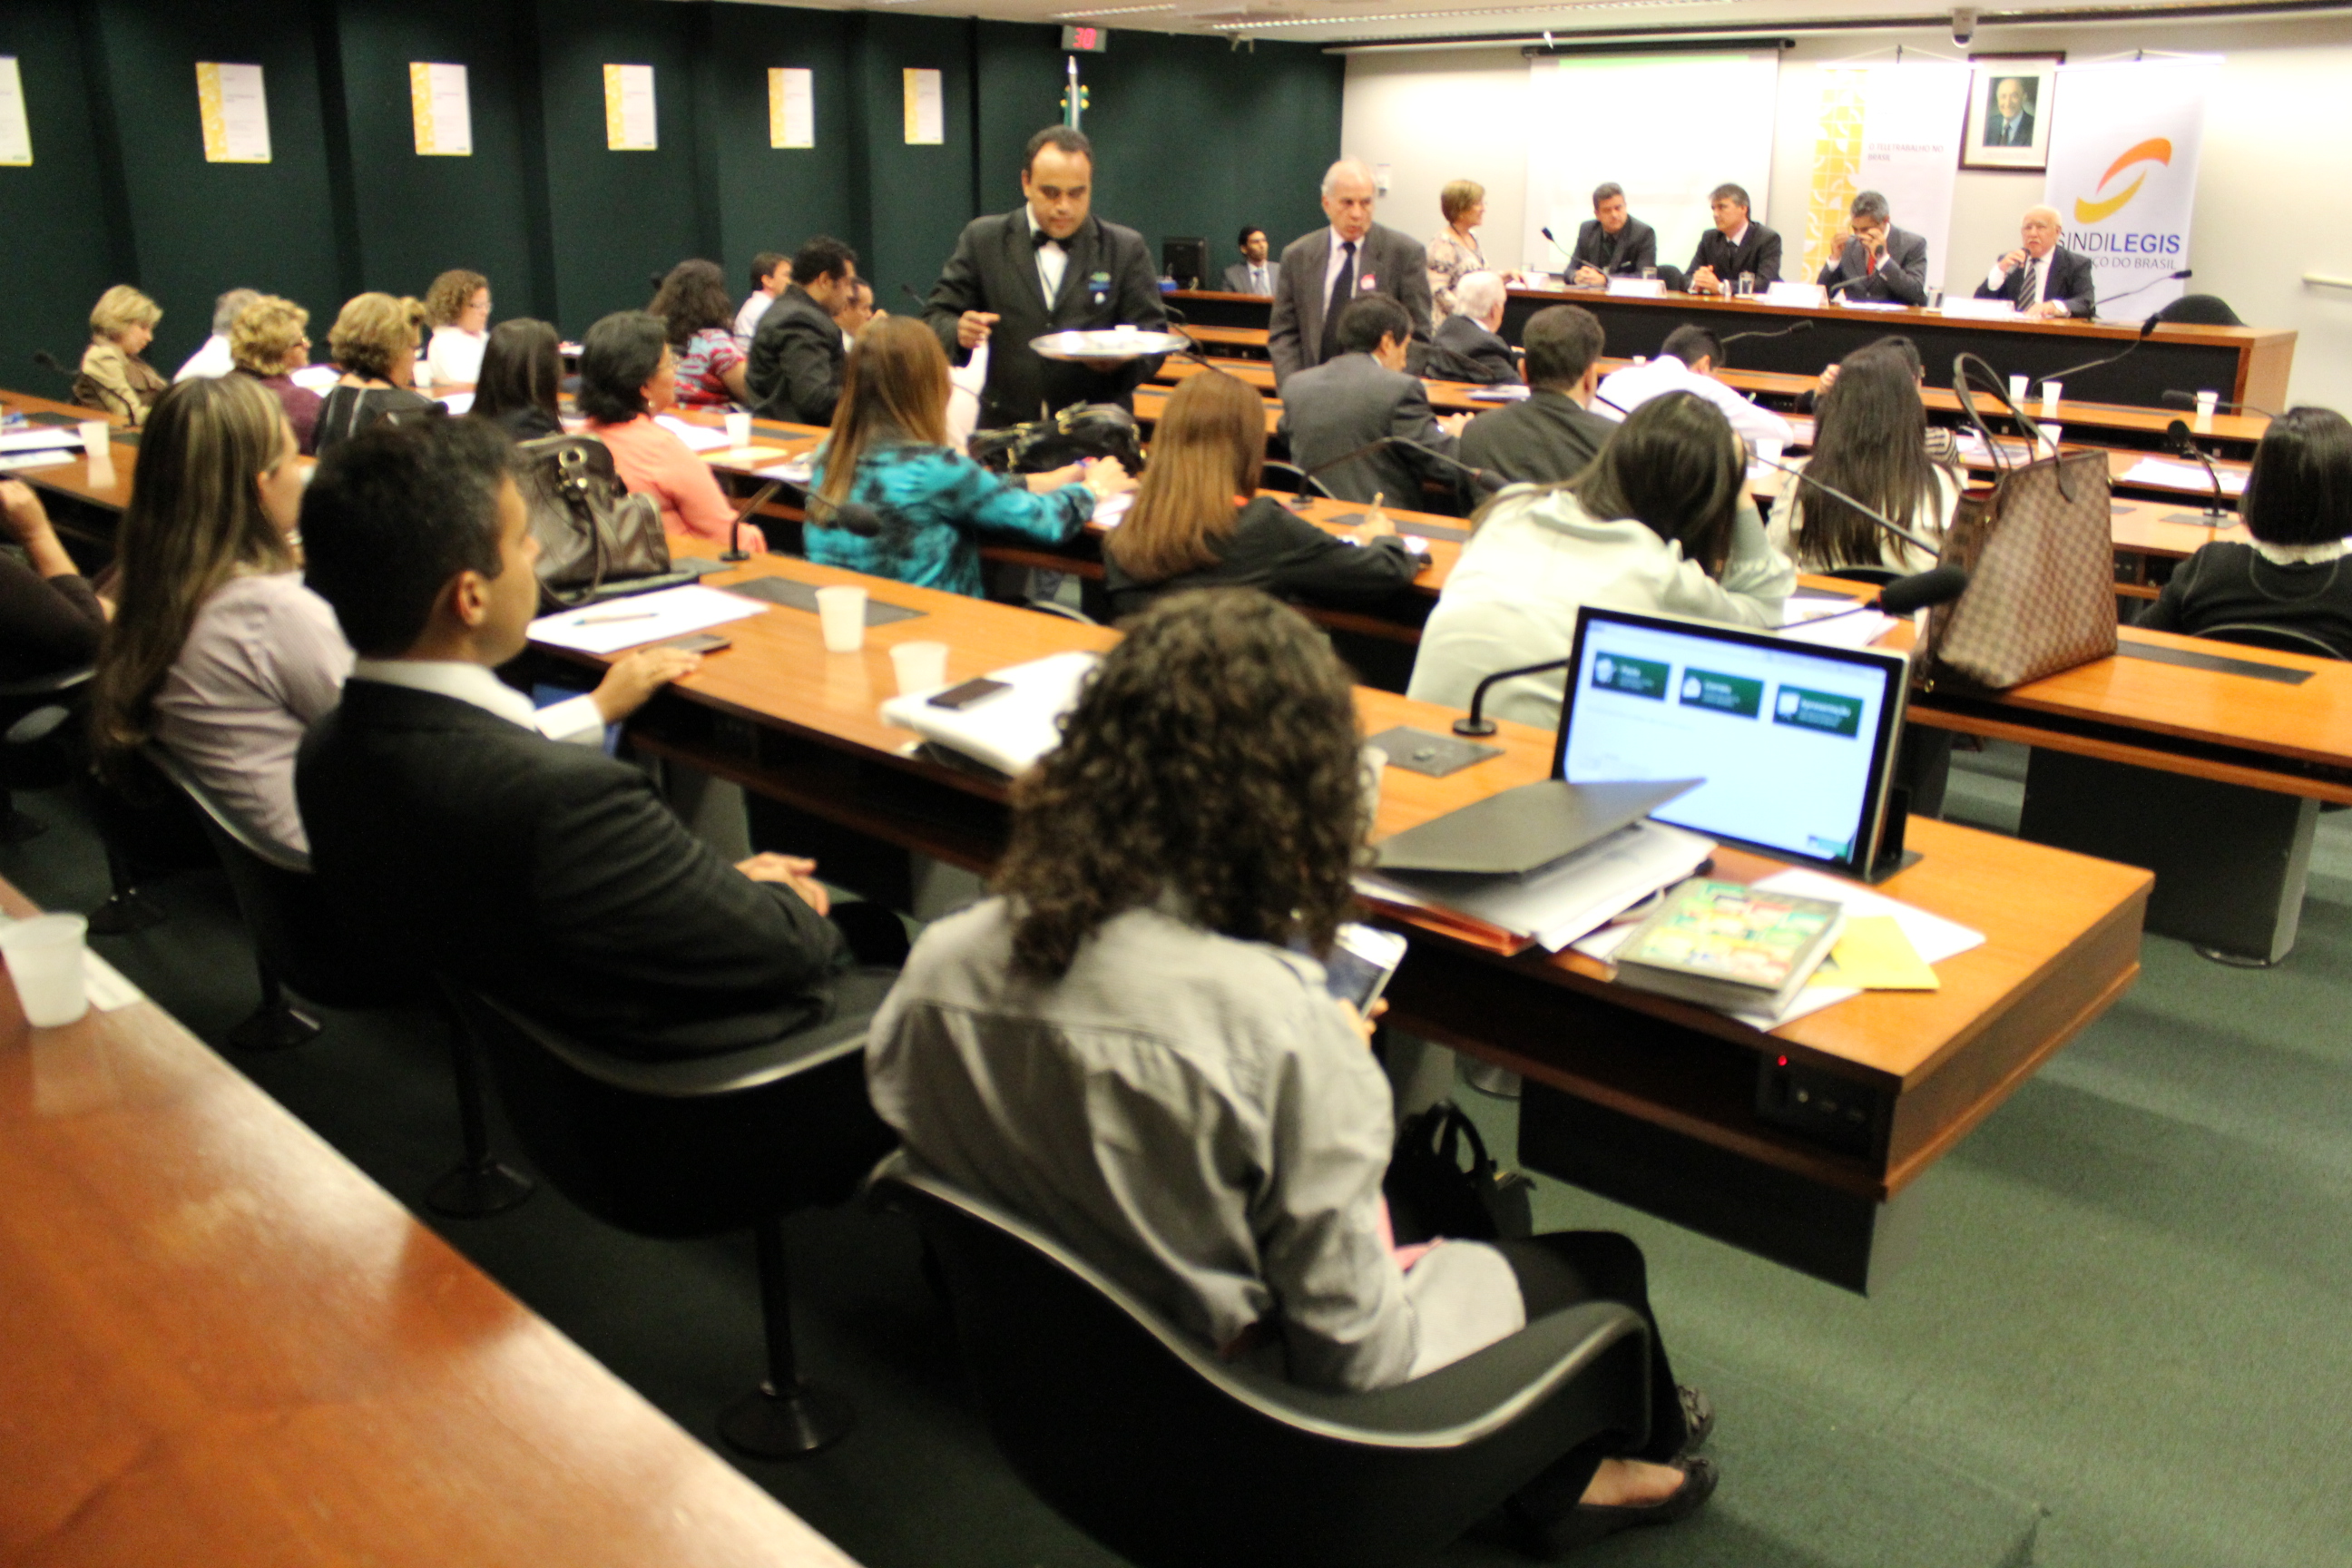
pixel 1469 344
pixel 1612 243
pixel 1254 273
pixel 1363 395
pixel 454 837
pixel 1353 257
pixel 1879 261
pixel 1554 434
pixel 1048 265
pixel 1735 246
pixel 2041 278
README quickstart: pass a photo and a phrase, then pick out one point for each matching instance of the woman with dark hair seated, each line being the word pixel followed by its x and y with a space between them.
pixel 1132 1046
pixel 523 378
pixel 1199 522
pixel 1661 522
pixel 1872 443
pixel 628 374
pixel 699 314
pixel 889 450
pixel 2298 507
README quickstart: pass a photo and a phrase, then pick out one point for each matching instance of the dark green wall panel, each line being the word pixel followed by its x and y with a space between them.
pixel 56 260
pixel 206 228
pixel 1192 136
pixel 772 198
pixel 920 197
pixel 416 215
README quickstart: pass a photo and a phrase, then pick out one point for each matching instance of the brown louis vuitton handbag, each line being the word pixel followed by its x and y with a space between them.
pixel 2040 554
pixel 596 541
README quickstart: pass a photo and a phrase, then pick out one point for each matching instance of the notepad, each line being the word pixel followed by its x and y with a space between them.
pixel 699 437
pixel 1875 955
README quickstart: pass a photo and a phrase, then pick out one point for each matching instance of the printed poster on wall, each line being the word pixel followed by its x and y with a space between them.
pixel 1895 129
pixel 236 113
pixel 629 122
pixel 442 108
pixel 791 106
pixel 2123 172
pixel 16 133
pixel 925 109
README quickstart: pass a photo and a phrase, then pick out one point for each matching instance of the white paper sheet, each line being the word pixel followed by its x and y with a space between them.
pixel 17 462
pixel 41 437
pixel 2182 476
pixel 15 132
pixel 1570 899
pixel 617 623
pixel 1857 630
pixel 1009 730
pixel 317 378
pixel 699 437
pixel 924 107
pixel 793 471
pixel 1936 938
pixel 234 105
pixel 791 106
pixel 443 110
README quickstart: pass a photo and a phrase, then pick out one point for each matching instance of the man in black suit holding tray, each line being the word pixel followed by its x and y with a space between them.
pixel 1047 266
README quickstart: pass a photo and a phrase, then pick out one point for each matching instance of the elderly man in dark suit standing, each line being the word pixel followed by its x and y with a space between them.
pixel 1879 261
pixel 1048 265
pixel 1363 394
pixel 1322 272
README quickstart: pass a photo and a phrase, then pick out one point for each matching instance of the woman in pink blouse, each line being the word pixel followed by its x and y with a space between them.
pixel 700 316
pixel 628 374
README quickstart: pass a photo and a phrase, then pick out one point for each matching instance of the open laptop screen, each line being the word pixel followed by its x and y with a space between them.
pixel 1795 742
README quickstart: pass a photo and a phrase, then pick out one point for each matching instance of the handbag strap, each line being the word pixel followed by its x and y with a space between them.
pixel 1971 375
pixel 1454 1127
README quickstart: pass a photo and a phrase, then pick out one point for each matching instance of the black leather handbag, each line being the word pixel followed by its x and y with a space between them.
pixel 596 541
pixel 1431 1194
pixel 1081 430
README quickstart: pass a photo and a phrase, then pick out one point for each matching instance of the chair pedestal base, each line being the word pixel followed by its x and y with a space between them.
pixel 479 1190
pixel 275 1025
pixel 766 1425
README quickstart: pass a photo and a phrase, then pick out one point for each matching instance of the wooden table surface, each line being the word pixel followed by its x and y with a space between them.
pixel 226 1345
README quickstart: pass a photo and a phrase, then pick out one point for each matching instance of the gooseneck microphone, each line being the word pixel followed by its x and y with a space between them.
pixel 2144 287
pixel 2145 328
pixel 2177 438
pixel 2175 398
pixel 735 526
pixel 1475 722
pixel 1572 263
pixel 1803 324
pixel 1902 596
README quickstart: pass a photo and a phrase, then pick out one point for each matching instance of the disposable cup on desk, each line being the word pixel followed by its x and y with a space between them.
pixel 96 440
pixel 1376 762
pixel 2050 435
pixel 739 432
pixel 842 612
pixel 2051 392
pixel 920 665
pixel 45 959
pixel 1935 298
pixel 2016 390
pixel 2208 402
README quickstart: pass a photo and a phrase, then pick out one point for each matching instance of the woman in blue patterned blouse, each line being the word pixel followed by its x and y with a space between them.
pixel 889 451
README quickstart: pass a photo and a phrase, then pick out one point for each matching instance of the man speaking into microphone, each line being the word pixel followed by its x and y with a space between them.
pixel 1878 262
pixel 2041 278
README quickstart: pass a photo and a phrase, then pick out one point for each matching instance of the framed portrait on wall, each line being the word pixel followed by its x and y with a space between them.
pixel 2009 111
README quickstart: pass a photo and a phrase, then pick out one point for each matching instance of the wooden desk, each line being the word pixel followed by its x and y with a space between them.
pixel 1648 1099
pixel 2253 361
pixel 228 1346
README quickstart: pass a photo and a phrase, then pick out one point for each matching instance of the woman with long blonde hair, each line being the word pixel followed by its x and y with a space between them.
pixel 1199 522
pixel 217 651
pixel 889 451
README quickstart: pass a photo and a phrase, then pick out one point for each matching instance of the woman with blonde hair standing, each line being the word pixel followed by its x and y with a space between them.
pixel 113 376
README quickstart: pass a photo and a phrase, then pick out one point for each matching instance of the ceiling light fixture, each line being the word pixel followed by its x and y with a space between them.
pixel 1254 26
pixel 1112 11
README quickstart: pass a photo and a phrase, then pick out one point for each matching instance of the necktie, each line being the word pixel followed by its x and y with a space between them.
pixel 2031 295
pixel 1343 288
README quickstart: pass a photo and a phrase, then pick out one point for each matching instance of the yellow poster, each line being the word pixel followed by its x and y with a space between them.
pixel 791 106
pixel 443 110
pixel 235 110
pixel 630 123
pixel 924 112
pixel 16 133
pixel 1837 159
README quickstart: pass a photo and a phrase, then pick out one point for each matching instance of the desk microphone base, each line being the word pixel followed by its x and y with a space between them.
pixel 766 1425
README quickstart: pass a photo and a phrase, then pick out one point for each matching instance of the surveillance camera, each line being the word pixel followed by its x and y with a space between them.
pixel 1964 26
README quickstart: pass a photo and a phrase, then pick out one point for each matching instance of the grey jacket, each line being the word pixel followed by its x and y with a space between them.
pixel 1549 437
pixel 1387 262
pixel 1332 409
pixel 1902 276
pixel 1237 278
pixel 1195 1117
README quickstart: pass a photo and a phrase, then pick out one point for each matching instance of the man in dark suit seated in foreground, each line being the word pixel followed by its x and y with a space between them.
pixel 1361 396
pixel 1468 345
pixel 454 837
pixel 1554 434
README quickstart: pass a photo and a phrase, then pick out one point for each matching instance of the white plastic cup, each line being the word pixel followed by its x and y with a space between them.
pixel 2016 390
pixel 98 440
pixel 1376 762
pixel 920 665
pixel 1935 298
pixel 2050 435
pixel 45 959
pixel 2051 393
pixel 738 431
pixel 842 612
pixel 2208 403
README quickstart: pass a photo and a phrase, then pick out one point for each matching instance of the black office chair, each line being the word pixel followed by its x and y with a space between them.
pixel 2278 640
pixel 1172 1457
pixel 1877 575
pixel 299 941
pixel 35 753
pixel 2201 311
pixel 704 1145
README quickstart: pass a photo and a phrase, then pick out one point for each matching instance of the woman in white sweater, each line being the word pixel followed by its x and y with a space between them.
pixel 1660 522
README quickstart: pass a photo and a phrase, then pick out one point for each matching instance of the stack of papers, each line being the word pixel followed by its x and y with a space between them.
pixel 317 378
pixel 1007 730
pixel 1509 391
pixel 41 438
pixel 698 438
pixel 1932 938
pixel 793 471
pixel 1832 622
pixel 616 624
pixel 2182 476
pixel 1563 902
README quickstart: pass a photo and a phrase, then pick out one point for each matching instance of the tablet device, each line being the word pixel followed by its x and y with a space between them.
pixel 1795 742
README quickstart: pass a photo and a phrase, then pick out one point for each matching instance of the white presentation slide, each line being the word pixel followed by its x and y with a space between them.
pixel 1781 737
pixel 1668 128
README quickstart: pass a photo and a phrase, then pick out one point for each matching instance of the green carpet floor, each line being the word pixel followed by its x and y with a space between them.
pixel 2119 1340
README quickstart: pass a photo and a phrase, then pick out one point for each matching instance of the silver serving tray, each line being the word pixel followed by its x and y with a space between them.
pixel 1108 343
